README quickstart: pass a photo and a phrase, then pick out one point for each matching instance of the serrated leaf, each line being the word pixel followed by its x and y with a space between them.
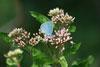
pixel 72 29
pixel 5 37
pixel 72 50
pixel 39 17
pixel 63 62
pixel 83 63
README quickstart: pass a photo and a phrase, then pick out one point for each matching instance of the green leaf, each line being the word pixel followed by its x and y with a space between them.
pixel 20 59
pixel 72 50
pixel 90 59
pixel 39 17
pixel 55 26
pixel 85 63
pixel 34 65
pixel 5 37
pixel 72 29
pixel 10 62
pixel 27 60
pixel 40 57
pixel 25 49
pixel 63 62
pixel 46 65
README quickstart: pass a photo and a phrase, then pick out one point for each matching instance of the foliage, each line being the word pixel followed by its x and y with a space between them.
pixel 5 37
pixel 57 52
pixel 72 29
pixel 83 63
pixel 39 17
pixel 63 62
pixel 72 50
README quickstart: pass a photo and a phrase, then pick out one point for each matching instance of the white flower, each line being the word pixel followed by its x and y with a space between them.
pixel 35 40
pixel 15 32
pixel 55 12
pixel 20 36
pixel 64 19
pixel 68 18
pixel 14 53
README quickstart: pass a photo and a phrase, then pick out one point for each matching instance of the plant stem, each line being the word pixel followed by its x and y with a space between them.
pixel 18 65
pixel 16 61
pixel 48 50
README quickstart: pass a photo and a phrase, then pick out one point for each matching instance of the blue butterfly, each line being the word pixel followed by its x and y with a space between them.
pixel 47 27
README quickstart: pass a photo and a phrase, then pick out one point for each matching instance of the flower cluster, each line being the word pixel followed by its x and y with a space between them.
pixel 58 16
pixel 53 36
pixel 13 57
pixel 55 12
pixel 14 53
pixel 15 32
pixel 63 18
pixel 34 40
pixel 19 36
pixel 60 37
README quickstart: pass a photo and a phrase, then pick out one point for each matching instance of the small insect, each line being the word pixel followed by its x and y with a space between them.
pixel 47 27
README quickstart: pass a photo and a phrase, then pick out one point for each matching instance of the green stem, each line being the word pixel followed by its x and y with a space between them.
pixel 48 50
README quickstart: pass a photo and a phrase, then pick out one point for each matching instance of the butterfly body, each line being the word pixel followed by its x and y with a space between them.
pixel 47 27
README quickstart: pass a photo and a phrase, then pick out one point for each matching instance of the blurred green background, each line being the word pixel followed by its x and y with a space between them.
pixel 15 13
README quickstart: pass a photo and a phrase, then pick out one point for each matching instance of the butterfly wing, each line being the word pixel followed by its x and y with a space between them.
pixel 47 27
